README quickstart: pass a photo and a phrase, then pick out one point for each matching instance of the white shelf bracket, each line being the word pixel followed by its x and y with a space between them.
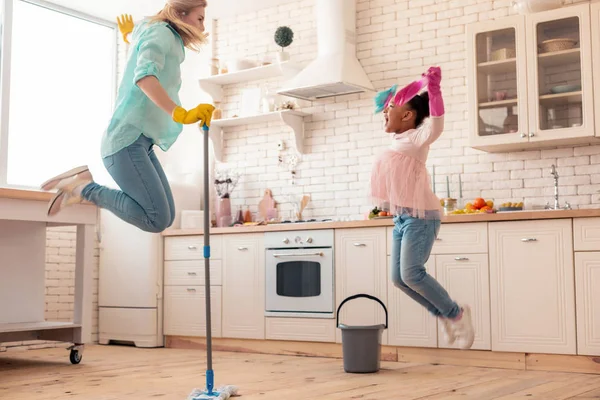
pixel 295 122
pixel 214 91
pixel 216 136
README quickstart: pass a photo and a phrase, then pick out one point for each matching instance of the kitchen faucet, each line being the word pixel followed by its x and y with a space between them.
pixel 557 206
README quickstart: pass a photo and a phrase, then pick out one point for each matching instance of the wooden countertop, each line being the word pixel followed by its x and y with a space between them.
pixel 504 216
pixel 25 194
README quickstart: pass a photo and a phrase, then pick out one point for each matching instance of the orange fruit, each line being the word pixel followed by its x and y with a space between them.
pixel 479 203
pixel 485 208
pixel 469 206
pixel 490 204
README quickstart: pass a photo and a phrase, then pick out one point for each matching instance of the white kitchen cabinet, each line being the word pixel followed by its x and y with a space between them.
pixel 462 238
pixel 595 22
pixel 244 286
pixel 466 278
pixel 361 267
pixel 191 272
pixel 410 324
pixel 532 286
pixel 587 284
pixel 586 234
pixel 526 94
pixel 185 311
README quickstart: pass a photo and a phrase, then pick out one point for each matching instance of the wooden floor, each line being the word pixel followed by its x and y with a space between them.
pixel 124 373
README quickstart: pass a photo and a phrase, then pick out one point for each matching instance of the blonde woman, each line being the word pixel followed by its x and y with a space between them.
pixel 147 114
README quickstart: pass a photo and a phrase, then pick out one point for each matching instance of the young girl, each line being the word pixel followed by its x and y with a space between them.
pixel 147 113
pixel 400 178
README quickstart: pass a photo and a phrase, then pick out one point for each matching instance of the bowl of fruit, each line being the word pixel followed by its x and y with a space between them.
pixel 377 213
pixel 477 206
pixel 504 207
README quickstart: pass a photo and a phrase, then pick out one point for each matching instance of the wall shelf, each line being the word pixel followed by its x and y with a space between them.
pixel 213 85
pixel 292 118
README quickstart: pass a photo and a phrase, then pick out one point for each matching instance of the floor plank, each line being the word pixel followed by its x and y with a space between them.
pixel 124 373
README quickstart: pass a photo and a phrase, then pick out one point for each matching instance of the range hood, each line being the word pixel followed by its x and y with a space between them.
pixel 336 70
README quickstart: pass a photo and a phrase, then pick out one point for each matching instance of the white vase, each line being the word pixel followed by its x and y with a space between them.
pixel 283 56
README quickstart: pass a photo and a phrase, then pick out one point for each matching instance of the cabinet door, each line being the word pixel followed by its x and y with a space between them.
pixel 410 323
pixel 595 19
pixel 532 286
pixel 244 286
pixel 587 273
pixel 185 311
pixel 466 278
pixel 561 106
pixel 360 267
pixel 497 82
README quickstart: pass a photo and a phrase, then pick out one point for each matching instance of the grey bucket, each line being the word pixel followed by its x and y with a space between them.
pixel 361 345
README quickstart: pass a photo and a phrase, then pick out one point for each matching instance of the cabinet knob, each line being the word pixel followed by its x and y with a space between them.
pixel 192 247
pixel 531 134
pixel 523 135
pixel 461 259
pixel 526 240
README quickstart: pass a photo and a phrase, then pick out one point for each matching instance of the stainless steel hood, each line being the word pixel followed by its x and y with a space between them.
pixel 336 70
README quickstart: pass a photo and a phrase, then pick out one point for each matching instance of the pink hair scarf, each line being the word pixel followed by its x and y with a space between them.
pixel 383 98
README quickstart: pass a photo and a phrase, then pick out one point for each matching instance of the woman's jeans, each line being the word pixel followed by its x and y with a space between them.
pixel 413 239
pixel 145 199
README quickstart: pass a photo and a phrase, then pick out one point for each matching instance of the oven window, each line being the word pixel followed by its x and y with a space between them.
pixel 299 279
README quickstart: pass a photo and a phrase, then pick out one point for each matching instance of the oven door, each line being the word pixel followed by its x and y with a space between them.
pixel 299 282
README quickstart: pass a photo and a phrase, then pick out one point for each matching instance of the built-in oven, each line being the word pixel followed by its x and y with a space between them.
pixel 299 274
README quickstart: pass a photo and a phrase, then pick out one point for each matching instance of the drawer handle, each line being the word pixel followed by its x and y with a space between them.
pixel 360 245
pixel 191 290
pixel 461 259
pixel 192 274
pixel 192 247
pixel 242 248
pixel 438 239
pixel 526 240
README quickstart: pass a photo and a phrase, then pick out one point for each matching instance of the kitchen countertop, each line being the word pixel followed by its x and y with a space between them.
pixel 503 216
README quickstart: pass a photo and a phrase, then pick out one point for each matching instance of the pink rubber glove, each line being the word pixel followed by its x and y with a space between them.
pixel 436 102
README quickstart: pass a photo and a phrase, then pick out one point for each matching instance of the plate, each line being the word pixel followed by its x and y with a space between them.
pixel 565 89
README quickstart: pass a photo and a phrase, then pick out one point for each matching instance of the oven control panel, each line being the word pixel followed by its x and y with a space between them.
pixel 293 239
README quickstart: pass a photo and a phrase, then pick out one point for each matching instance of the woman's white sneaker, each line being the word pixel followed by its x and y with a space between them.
pixel 463 329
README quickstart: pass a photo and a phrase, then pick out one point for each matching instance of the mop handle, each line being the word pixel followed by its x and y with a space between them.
pixel 209 371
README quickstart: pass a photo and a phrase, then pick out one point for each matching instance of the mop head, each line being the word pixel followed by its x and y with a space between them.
pixel 222 393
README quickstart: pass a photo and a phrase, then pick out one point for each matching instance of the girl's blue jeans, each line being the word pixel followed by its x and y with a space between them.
pixel 145 199
pixel 413 240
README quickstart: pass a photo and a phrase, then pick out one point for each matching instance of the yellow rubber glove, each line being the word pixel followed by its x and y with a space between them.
pixel 202 112
pixel 125 23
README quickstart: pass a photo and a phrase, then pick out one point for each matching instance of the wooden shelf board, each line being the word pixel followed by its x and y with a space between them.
pixel 498 67
pixel 255 119
pixel 559 57
pixel 497 104
pixel 250 74
pixel 36 326
pixel 562 98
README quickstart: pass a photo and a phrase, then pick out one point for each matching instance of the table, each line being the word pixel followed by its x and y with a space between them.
pixel 23 224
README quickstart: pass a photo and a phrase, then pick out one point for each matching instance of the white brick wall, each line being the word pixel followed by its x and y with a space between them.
pixel 397 41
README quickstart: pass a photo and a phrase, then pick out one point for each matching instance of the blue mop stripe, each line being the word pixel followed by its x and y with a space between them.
pixel 210 381
pixel 206 251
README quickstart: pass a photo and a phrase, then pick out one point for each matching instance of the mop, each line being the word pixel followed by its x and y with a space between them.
pixel 223 392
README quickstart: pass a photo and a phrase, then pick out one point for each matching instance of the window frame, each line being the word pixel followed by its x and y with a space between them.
pixel 5 75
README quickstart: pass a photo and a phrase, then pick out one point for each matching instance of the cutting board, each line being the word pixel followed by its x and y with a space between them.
pixel 266 207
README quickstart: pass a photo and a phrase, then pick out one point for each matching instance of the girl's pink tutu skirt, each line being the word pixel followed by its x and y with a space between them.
pixel 404 183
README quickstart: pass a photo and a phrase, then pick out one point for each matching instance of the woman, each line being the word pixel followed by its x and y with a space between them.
pixel 400 178
pixel 147 114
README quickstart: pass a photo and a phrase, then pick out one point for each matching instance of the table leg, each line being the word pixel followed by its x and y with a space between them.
pixel 84 262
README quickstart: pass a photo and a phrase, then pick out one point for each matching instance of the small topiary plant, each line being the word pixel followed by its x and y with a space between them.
pixel 284 36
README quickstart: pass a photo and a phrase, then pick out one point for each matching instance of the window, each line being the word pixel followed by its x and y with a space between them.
pixel 61 93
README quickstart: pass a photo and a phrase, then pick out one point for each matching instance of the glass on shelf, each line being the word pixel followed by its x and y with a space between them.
pixel 497 82
pixel 559 74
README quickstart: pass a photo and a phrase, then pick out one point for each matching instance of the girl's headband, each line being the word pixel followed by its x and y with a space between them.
pixel 383 98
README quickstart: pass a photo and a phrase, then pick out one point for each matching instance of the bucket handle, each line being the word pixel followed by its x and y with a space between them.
pixel 356 296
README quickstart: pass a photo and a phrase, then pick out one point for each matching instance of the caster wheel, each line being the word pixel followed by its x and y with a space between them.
pixel 75 357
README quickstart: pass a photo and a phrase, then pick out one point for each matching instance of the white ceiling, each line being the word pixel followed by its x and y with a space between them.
pixel 110 9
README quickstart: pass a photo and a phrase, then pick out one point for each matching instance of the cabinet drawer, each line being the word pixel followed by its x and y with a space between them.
pixel 191 272
pixel 191 247
pixel 458 238
pixel 185 311
pixel 586 234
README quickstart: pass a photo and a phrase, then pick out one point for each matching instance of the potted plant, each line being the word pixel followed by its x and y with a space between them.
pixel 284 36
